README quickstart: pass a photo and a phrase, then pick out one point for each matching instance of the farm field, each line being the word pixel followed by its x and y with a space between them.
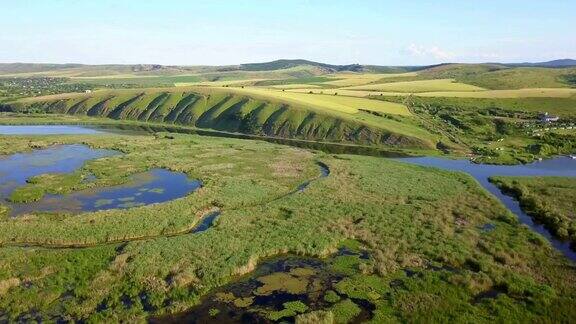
pixel 389 236
pixel 330 103
pixel 357 79
pixel 418 86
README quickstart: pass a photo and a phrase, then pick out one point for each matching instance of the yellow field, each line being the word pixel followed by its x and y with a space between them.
pixel 341 104
pixel 356 79
pixel 295 86
pixel 340 92
pixel 418 86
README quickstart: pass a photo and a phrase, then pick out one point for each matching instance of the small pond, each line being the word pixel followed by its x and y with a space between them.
pixel 15 169
pixel 154 186
pixel 264 295
pixel 561 166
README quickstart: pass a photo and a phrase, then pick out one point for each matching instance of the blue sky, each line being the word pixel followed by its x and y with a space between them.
pixel 230 32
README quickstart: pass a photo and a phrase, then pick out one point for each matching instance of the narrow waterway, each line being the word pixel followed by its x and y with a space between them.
pixel 561 166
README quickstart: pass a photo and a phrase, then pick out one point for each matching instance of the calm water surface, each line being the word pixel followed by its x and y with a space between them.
pixel 47 130
pixel 15 169
pixel 154 186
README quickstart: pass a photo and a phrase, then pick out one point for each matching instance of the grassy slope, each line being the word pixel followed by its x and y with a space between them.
pixel 396 210
pixel 548 199
pixel 493 76
pixel 328 103
pixel 247 111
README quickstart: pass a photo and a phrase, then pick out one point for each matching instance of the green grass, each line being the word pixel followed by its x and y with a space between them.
pixel 520 93
pixel 496 131
pixel 557 106
pixel 550 200
pixel 406 216
pixel 493 76
pixel 250 111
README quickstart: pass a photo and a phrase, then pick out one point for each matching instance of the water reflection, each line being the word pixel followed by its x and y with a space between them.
pixel 154 186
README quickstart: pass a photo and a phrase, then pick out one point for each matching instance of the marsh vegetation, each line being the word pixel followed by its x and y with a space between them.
pixel 422 245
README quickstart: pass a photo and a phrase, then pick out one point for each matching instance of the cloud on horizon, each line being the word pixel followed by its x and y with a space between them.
pixel 424 52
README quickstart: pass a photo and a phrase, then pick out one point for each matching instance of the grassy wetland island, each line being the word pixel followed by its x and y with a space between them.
pixel 277 192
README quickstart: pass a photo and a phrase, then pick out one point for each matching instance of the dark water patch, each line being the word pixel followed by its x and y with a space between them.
pixel 561 166
pixel 491 293
pixel 410 273
pixel 270 289
pixel 206 222
pixel 154 186
pixel 488 227
pixel 17 168
pixel 443 267
pixel 345 251
pixel 366 310
pixel 397 283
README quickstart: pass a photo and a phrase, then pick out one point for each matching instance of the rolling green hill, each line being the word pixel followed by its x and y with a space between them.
pixel 497 76
pixel 231 111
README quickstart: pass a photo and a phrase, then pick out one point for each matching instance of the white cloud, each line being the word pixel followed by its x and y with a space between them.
pixel 429 52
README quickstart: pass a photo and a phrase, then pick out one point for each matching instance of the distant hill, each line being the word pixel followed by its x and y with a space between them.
pixel 505 76
pixel 549 64
pixel 287 64
pixel 327 68
pixel 300 68
pixel 13 68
